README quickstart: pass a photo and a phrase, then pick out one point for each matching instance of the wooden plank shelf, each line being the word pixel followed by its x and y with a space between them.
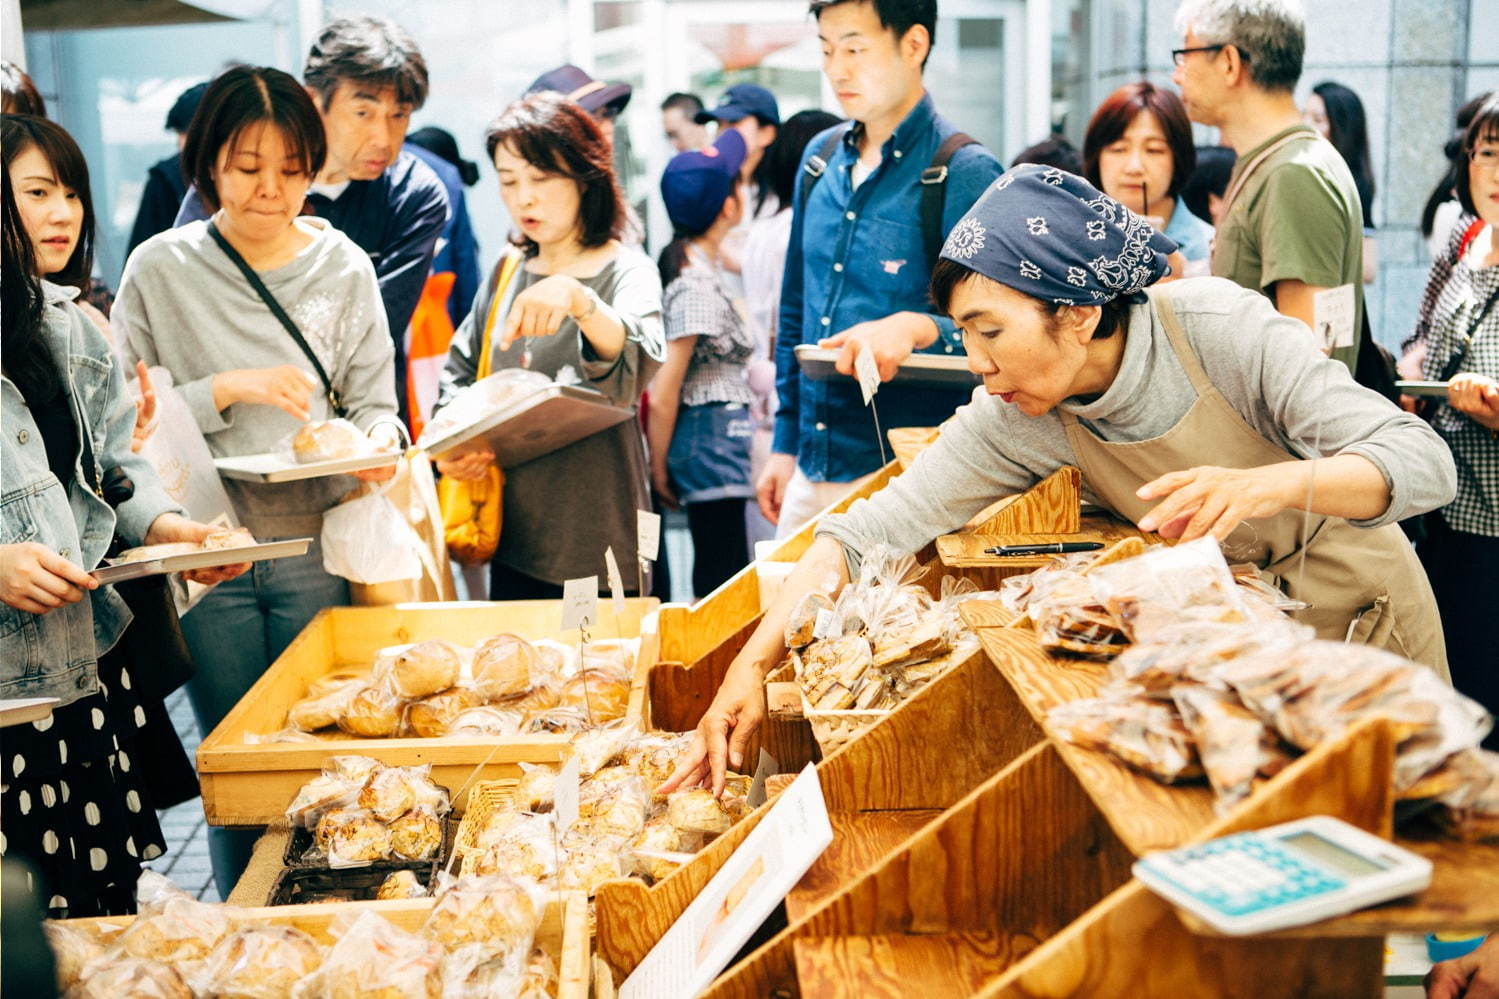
pixel 899 965
pixel 860 840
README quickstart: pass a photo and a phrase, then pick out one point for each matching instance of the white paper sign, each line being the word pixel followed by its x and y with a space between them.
pixel 822 627
pixel 565 796
pixel 580 602
pixel 1332 317
pixel 616 584
pixel 751 883
pixel 647 534
pixel 867 370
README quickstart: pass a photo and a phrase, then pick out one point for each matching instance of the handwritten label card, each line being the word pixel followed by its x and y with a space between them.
pixel 580 602
pixel 867 370
pixel 647 534
pixel 616 584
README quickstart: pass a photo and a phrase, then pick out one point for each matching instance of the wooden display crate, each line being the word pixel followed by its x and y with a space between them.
pixel 251 784
pixel 563 932
pixel 688 633
pixel 881 788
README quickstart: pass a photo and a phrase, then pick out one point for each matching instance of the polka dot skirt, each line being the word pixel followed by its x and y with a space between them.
pixel 73 802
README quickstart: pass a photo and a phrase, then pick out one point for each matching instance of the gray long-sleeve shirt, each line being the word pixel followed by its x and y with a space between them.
pixel 1265 365
pixel 185 306
pixel 563 509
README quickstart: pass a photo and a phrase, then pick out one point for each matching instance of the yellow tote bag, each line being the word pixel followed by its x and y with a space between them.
pixel 471 510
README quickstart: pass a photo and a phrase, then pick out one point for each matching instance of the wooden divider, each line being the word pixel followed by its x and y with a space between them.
pixel 889 767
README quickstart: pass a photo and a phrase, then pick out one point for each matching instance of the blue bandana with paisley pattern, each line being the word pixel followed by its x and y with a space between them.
pixel 1050 234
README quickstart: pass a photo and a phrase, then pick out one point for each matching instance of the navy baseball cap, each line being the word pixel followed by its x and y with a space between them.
pixel 696 183
pixel 741 100
pixel 574 84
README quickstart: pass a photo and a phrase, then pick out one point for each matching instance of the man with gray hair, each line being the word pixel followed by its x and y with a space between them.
pixel 1292 226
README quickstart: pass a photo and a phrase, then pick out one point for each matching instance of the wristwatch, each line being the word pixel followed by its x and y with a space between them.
pixel 593 305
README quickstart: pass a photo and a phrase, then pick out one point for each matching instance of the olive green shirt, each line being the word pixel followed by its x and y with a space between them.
pixel 1297 218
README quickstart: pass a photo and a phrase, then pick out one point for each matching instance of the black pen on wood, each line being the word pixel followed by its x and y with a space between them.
pixel 1051 548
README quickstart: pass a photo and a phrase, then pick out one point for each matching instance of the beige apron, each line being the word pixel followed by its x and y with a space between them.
pixel 1363 585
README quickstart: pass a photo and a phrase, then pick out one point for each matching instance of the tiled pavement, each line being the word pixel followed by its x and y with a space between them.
pixel 186 860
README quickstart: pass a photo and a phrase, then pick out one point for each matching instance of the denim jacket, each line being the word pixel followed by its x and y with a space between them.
pixel 858 254
pixel 55 654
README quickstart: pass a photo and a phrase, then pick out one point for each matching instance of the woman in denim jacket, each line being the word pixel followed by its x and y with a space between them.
pixel 71 800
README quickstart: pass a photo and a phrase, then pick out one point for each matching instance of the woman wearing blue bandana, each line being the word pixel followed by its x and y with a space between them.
pixel 1192 409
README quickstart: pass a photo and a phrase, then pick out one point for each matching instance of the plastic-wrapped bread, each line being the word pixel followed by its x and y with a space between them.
pixel 697 811
pixel 499 913
pixel 431 716
pixel 388 793
pixel 540 979
pixel 486 720
pixel 424 669
pixel 171 926
pixel 400 884
pixel 654 755
pixel 328 440
pixel 602 695
pixel 613 809
pixel 660 848
pixel 259 962
pixel 590 862
pixel 537 785
pixel 1192 650
pixel 599 747
pixel 330 682
pixel 352 837
pixel 1234 744
pixel 352 767
pixel 73 950
pixel 503 666
pixel 319 796
pixel 416 835
pixel 519 846
pixel 1168 585
pixel 374 712
pixel 1145 733
pixel 559 720
pixel 1472 807
pixel 609 657
pixel 801 626
pixel 323 710
pixel 374 959
pixel 138 978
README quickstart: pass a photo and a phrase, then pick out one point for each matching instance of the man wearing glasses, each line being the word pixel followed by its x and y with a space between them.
pixel 1292 225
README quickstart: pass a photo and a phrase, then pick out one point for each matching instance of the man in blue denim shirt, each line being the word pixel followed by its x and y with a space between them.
pixel 856 268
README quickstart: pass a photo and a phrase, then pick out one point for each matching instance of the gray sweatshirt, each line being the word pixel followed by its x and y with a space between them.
pixel 183 305
pixel 1265 365
pixel 563 509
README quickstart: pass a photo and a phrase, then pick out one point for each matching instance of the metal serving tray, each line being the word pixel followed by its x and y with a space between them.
pixel 919 369
pixel 536 425
pixel 202 560
pixel 274 468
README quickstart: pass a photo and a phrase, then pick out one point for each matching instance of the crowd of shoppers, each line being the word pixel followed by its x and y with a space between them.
pixel 305 258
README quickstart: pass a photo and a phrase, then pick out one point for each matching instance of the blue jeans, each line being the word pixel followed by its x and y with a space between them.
pixel 235 632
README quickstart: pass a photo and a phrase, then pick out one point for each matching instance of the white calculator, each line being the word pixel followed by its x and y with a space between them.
pixel 1286 875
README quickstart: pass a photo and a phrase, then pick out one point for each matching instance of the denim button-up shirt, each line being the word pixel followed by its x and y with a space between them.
pixel 55 654
pixel 858 254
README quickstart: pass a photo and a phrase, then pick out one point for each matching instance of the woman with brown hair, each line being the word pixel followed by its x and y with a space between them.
pixel 1138 150
pixel 571 296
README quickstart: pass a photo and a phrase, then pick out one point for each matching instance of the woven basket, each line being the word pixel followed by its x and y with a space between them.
pixel 484 799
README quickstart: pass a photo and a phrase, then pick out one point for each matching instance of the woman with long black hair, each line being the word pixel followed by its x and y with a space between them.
pixel 76 798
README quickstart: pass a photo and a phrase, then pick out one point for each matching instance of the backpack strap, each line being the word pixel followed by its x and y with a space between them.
pixel 817 163
pixel 934 194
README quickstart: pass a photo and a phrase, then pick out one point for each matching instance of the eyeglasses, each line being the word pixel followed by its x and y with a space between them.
pixel 1179 56
pixel 1484 157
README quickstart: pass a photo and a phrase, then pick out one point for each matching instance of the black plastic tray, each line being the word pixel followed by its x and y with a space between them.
pixel 356 884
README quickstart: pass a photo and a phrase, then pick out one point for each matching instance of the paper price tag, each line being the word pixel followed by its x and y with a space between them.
pixel 580 602
pixel 1332 316
pixel 768 766
pixel 647 534
pixel 565 795
pixel 822 627
pixel 867 370
pixel 616 584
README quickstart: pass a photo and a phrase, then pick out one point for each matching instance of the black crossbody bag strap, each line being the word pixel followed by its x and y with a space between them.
pixel 934 194
pixel 276 310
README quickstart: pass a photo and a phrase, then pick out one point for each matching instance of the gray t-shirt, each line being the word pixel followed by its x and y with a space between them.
pixel 184 305
pixel 563 509
pixel 1276 379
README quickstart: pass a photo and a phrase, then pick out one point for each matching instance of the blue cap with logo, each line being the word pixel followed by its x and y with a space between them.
pixel 740 101
pixel 696 183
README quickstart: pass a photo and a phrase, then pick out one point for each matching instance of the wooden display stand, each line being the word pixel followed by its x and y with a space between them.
pixel 688 633
pixel 1021 887
pixel 249 784
pixel 880 789
pixel 563 932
